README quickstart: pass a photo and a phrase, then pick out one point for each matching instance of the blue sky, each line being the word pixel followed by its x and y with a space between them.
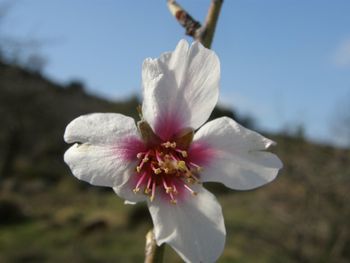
pixel 285 63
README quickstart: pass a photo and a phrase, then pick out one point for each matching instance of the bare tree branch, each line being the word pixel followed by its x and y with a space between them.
pixel 185 19
pixel 210 22
pixel 193 28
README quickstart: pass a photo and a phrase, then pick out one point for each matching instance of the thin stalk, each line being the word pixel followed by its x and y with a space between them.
pixel 202 33
pixel 153 253
pixel 210 23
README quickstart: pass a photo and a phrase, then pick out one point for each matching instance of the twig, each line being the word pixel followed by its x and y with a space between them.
pixel 210 22
pixel 153 253
pixel 185 19
pixel 193 28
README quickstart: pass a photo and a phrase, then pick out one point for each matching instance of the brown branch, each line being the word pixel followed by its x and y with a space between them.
pixel 210 22
pixel 193 28
pixel 185 19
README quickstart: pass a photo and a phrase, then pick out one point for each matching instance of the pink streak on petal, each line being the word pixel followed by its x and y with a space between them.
pixel 129 147
pixel 168 125
pixel 201 153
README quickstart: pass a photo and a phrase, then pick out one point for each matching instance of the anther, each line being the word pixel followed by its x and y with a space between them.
pixel 183 153
pixel 195 178
pixel 169 190
pixel 169 144
pixel 159 159
pixel 190 180
pixel 198 168
pixel 148 185
pixel 144 160
pixel 153 191
pixel 157 170
pixel 190 190
pixel 175 190
pixel 166 144
pixel 136 190
pixel 172 199
pixel 182 165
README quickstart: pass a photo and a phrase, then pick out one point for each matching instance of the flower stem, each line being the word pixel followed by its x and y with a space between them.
pixel 153 253
pixel 210 23
pixel 202 33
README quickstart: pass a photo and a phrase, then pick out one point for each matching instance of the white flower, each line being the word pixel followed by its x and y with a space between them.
pixel 163 162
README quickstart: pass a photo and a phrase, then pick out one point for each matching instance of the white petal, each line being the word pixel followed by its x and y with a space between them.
pixel 106 152
pixel 100 128
pixel 238 158
pixel 98 165
pixel 194 227
pixel 180 88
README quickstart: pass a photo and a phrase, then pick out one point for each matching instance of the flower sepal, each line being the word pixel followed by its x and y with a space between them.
pixel 184 138
pixel 147 134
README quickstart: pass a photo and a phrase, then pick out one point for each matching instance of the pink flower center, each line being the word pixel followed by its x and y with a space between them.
pixel 166 170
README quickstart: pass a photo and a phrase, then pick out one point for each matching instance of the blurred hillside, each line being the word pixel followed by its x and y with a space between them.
pixel 46 215
pixel 34 113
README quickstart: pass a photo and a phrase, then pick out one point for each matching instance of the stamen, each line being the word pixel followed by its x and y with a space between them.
pixel 164 168
pixel 144 160
pixel 166 144
pixel 158 156
pixel 174 189
pixel 190 180
pixel 195 178
pixel 198 168
pixel 172 200
pixel 166 187
pixel 148 189
pixel 183 153
pixel 153 191
pixel 181 165
pixel 157 170
pixel 137 187
pixel 190 190
pixel 169 144
pixel 173 157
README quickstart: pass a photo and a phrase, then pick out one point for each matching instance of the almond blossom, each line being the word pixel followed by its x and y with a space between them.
pixel 162 161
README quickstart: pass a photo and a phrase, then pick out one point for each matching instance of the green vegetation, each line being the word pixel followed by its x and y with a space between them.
pixel 46 215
